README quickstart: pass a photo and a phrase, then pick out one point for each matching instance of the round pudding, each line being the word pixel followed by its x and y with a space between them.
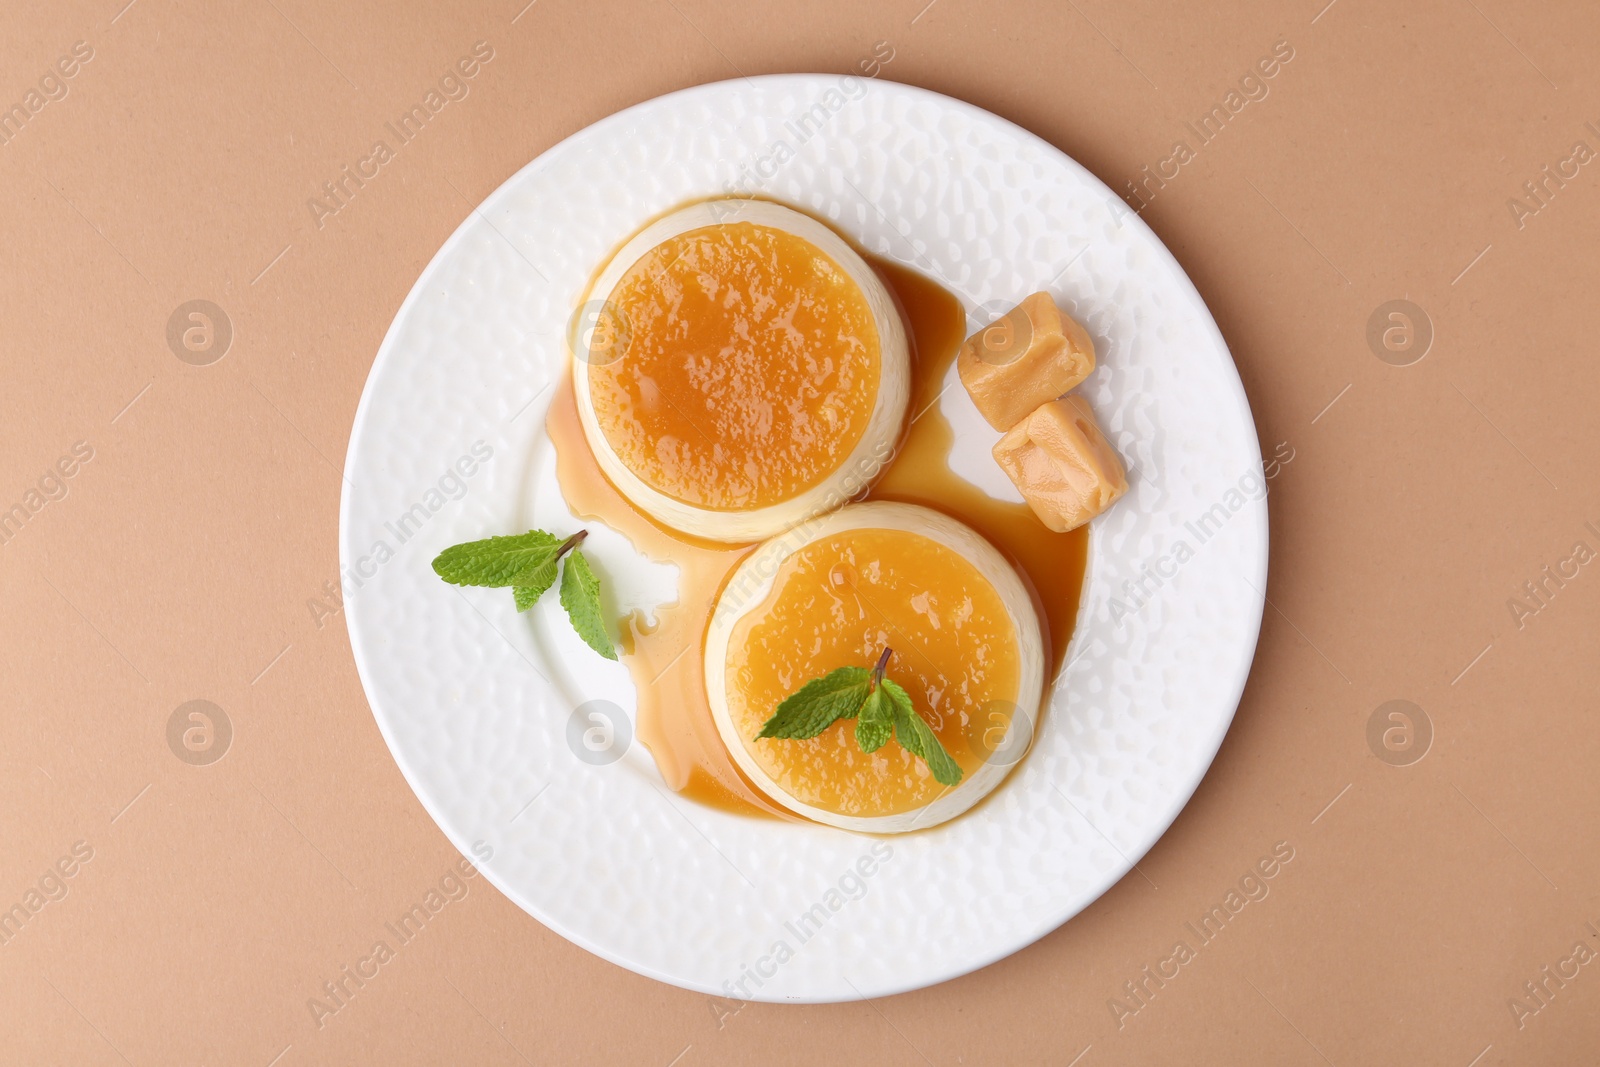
pixel 835 593
pixel 739 368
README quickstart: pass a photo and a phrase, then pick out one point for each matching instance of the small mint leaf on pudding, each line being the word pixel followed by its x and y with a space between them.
pixel 875 724
pixel 918 738
pixel 880 706
pixel 820 703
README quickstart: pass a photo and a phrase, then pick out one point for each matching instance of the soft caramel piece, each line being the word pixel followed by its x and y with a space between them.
pixel 1063 465
pixel 1031 355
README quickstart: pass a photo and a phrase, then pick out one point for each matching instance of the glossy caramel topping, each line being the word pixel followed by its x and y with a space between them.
pixel 751 368
pixel 838 602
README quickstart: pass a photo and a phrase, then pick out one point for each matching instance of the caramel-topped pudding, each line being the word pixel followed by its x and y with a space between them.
pixel 836 592
pixel 753 370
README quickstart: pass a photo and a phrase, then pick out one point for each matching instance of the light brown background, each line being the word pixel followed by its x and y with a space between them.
pixel 181 561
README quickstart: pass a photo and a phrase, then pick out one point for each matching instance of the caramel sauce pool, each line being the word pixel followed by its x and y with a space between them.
pixel 667 659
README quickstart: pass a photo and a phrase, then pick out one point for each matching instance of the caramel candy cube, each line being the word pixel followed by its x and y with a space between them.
pixel 1065 468
pixel 1031 355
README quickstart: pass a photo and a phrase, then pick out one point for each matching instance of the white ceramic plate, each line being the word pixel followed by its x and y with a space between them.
pixel 488 712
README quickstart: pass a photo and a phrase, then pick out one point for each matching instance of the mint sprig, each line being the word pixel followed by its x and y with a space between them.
pixel 880 707
pixel 528 562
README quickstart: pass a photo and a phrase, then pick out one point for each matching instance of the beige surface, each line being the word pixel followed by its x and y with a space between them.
pixel 187 556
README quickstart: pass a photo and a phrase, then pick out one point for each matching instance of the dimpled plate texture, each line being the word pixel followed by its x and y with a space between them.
pixel 485 710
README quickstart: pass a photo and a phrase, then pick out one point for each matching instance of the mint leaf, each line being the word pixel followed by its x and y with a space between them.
pixel 580 595
pixel 499 561
pixel 530 585
pixel 819 703
pixel 533 584
pixel 899 699
pixel 876 721
pixel 880 707
pixel 918 738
